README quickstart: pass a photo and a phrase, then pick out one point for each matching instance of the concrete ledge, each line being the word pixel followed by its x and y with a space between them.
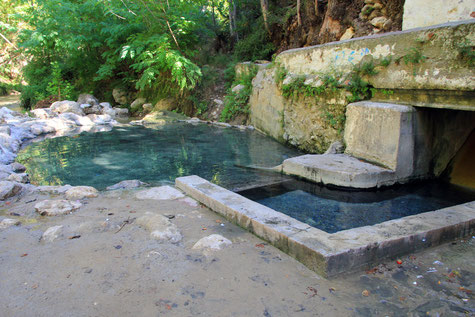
pixel 340 170
pixel 331 254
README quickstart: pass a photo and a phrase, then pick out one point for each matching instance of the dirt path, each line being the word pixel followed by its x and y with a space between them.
pixel 11 101
pixel 106 272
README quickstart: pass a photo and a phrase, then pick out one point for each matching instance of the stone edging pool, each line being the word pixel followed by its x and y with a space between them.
pixel 343 251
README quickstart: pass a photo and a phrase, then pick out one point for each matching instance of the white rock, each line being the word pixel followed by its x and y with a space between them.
pixel 20 178
pixel 236 89
pixel 8 189
pixel 41 128
pixel 160 227
pixel 67 106
pixel 121 112
pixel 139 102
pixel 17 167
pixel 120 96
pixel 52 233
pixel 160 193
pixel 80 192
pixel 100 118
pixel 53 189
pixel 147 107
pixel 379 22
pixel 7 222
pixel 43 113
pixel 87 99
pixel 127 184
pixel 335 148
pixel 213 242
pixel 6 156
pixel 56 207
pixel 218 102
pixel 349 33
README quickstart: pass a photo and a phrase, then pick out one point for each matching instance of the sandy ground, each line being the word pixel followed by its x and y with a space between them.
pixel 107 272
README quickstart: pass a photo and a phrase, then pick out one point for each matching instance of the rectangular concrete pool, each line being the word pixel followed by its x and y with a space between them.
pixel 333 253
pixel 334 209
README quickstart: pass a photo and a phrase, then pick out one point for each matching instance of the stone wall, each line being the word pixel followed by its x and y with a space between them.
pixel 308 123
pixel 421 13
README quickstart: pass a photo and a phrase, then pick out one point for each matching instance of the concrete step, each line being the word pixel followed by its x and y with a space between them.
pixel 340 170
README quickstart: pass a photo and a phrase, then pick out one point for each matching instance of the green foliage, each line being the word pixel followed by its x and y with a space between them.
pixel 236 103
pixel 414 56
pixel 366 69
pixel 368 11
pixel 386 61
pixel 467 53
pixel 144 46
pixel 280 74
pixel 360 89
pixel 57 86
pixel 255 46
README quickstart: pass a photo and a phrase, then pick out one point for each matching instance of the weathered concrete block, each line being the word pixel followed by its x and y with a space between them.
pixel 442 68
pixel 340 170
pixel 420 13
pixel 381 133
pixel 343 251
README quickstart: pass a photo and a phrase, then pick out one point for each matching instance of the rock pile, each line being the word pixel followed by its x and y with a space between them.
pixel 375 13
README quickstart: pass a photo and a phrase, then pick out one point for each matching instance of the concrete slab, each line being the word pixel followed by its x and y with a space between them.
pixel 343 251
pixel 340 170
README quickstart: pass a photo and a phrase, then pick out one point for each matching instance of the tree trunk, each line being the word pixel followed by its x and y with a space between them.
pixel 265 12
pixel 332 28
pixel 299 19
pixel 316 7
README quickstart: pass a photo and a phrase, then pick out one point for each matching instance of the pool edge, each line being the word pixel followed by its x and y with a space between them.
pixel 340 252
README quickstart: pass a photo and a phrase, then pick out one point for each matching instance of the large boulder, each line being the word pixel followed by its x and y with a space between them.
pixel 136 106
pixel 19 178
pixel 120 96
pixel 160 193
pixel 87 99
pixel 67 106
pixel 91 109
pixel 121 112
pixel 164 104
pixel 160 227
pixel 56 207
pixel 8 189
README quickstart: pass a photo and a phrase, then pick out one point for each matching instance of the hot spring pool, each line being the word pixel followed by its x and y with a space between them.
pixel 333 210
pixel 155 155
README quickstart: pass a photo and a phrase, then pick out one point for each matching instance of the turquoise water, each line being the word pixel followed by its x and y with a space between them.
pixel 333 210
pixel 155 155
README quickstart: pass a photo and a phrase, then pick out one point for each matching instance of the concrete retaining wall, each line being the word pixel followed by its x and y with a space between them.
pixel 420 13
